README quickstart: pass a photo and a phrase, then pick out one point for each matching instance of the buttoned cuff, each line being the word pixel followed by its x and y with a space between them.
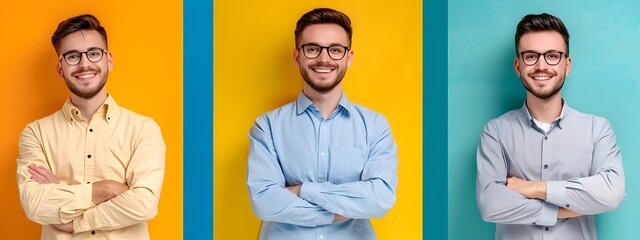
pixel 548 215
pixel 81 201
pixel 557 193
pixel 309 192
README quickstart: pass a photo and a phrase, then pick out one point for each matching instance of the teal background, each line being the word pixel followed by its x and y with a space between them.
pixel 482 85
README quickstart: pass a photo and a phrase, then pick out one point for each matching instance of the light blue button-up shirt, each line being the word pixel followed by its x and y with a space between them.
pixel 579 160
pixel 347 165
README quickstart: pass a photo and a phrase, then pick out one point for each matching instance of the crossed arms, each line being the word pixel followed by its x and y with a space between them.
pixel 512 200
pixel 56 200
pixel 313 204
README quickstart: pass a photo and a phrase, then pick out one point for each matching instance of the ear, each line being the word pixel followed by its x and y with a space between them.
pixel 567 67
pixel 109 61
pixel 296 56
pixel 516 66
pixel 349 57
pixel 59 69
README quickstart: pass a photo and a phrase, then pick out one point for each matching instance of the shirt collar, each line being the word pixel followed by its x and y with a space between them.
pixel 303 103
pixel 557 122
pixel 109 110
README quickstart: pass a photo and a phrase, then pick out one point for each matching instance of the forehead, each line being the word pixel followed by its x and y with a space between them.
pixel 542 41
pixel 81 41
pixel 324 34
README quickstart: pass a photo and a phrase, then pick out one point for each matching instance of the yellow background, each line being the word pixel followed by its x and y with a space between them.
pixel 254 72
pixel 146 42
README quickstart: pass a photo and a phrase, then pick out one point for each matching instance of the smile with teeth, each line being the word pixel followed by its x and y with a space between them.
pixel 86 76
pixel 541 78
pixel 322 70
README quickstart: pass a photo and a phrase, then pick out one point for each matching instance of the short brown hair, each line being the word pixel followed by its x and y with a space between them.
pixel 539 23
pixel 77 23
pixel 323 15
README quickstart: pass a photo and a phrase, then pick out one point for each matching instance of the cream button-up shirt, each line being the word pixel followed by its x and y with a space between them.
pixel 117 144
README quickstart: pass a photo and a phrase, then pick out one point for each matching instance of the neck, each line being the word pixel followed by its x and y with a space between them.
pixel 89 106
pixel 327 102
pixel 544 110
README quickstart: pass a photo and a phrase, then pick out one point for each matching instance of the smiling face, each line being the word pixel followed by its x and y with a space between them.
pixel 86 79
pixel 542 80
pixel 323 74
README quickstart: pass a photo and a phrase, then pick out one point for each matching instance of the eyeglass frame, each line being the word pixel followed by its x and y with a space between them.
pixel 542 54
pixel 102 50
pixel 346 50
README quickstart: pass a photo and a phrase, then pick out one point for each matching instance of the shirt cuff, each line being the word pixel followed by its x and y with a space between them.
pixel 81 201
pixel 557 193
pixel 309 191
pixel 548 215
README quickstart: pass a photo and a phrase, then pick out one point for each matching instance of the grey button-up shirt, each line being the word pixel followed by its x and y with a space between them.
pixel 579 160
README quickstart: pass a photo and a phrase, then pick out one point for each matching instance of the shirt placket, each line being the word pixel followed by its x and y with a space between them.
pixel 548 168
pixel 323 164
pixel 90 152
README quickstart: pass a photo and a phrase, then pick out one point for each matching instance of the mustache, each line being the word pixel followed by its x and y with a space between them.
pixel 89 69
pixel 544 72
pixel 324 65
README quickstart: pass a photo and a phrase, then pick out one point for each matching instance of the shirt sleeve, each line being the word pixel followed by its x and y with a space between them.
pixel 144 177
pixel 375 194
pixel 46 203
pixel 605 189
pixel 496 202
pixel 270 200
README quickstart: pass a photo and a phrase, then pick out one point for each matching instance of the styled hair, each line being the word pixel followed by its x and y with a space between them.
pixel 77 23
pixel 539 23
pixel 323 15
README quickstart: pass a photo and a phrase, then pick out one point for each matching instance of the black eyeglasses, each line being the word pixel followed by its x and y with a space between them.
pixel 73 58
pixel 552 58
pixel 336 52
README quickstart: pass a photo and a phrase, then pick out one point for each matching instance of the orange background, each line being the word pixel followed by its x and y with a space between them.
pixel 146 42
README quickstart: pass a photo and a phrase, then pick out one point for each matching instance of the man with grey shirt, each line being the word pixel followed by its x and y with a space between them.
pixel 545 170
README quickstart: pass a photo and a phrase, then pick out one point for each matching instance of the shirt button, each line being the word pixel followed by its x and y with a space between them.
pixel 534 223
pixel 89 156
pixel 546 228
pixel 93 232
pixel 90 129
pixel 545 137
pixel 321 236
pixel 567 205
pixel 322 154
pixel 546 166
pixel 88 182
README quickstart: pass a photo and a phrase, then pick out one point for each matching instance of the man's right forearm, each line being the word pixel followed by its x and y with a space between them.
pixel 566 213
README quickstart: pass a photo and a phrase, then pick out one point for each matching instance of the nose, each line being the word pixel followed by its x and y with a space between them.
pixel 324 55
pixel 84 60
pixel 542 63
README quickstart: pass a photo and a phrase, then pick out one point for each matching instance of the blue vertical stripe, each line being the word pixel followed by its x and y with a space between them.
pixel 198 119
pixel 434 90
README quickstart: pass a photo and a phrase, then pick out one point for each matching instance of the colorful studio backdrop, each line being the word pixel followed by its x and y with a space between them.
pixel 604 80
pixel 254 72
pixel 146 43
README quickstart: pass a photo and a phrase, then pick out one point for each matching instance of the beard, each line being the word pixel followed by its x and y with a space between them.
pixel 86 92
pixel 541 93
pixel 323 86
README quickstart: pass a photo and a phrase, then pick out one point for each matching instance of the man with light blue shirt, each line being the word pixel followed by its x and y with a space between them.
pixel 545 170
pixel 321 166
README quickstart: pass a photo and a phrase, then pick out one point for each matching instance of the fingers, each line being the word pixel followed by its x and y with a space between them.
pixel 42 175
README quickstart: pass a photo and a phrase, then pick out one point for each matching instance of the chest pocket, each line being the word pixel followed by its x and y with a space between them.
pixel 116 164
pixel 575 165
pixel 347 165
